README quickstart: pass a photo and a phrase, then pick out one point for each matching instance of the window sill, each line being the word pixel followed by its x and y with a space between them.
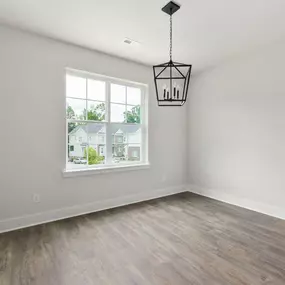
pixel 103 170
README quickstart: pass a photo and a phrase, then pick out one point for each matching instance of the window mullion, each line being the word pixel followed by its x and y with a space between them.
pixel 86 102
pixel 126 146
pixel 87 125
pixel 126 104
pixel 67 143
pixel 143 123
pixel 108 124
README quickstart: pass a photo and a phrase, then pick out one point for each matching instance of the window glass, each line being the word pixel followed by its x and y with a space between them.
pixel 118 113
pixel 75 109
pixel 118 93
pixel 75 87
pixel 96 90
pixel 133 96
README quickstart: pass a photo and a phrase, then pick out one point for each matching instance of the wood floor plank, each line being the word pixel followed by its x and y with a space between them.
pixel 177 240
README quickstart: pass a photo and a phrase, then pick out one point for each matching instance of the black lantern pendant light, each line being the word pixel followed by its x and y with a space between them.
pixel 171 78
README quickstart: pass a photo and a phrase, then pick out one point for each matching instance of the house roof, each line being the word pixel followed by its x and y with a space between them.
pixel 95 128
pixel 125 128
pixel 92 128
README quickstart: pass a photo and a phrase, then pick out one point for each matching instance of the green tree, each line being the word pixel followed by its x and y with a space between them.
pixel 93 157
pixel 95 113
pixel 134 115
pixel 70 114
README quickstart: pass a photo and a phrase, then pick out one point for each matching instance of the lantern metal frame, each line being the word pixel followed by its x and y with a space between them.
pixel 172 96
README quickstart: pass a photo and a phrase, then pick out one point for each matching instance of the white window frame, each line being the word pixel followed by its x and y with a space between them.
pixel 109 166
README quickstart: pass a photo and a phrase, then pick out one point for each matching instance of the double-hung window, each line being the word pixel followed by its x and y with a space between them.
pixel 106 122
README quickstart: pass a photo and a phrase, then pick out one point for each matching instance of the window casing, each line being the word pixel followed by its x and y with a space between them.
pixel 106 121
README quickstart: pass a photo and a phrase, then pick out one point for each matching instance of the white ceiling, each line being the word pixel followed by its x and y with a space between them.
pixel 205 31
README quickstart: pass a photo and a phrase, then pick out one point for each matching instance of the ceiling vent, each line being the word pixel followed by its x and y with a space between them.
pixel 127 41
pixel 130 42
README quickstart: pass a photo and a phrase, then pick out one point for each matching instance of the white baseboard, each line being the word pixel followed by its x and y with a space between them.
pixel 59 214
pixel 219 195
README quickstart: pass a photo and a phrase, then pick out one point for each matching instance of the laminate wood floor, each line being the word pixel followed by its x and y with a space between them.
pixel 178 240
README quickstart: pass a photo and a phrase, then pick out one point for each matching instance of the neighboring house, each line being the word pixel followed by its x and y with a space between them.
pixel 126 141
pixel 82 135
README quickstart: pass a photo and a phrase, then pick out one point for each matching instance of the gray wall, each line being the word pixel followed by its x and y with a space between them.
pixel 236 131
pixel 32 151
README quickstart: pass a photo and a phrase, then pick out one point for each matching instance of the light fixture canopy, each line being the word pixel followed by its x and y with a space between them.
pixel 171 79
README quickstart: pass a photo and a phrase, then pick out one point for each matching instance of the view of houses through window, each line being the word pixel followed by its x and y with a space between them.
pixel 104 121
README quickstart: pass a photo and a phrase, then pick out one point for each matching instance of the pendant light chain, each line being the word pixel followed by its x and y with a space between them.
pixel 170 46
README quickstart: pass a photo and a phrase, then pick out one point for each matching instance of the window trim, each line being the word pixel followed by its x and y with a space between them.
pixel 122 167
pixel 110 166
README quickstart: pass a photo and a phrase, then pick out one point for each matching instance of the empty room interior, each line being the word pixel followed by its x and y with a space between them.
pixel 142 142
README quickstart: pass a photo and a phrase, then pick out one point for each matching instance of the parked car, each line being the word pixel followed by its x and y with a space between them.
pixel 80 161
